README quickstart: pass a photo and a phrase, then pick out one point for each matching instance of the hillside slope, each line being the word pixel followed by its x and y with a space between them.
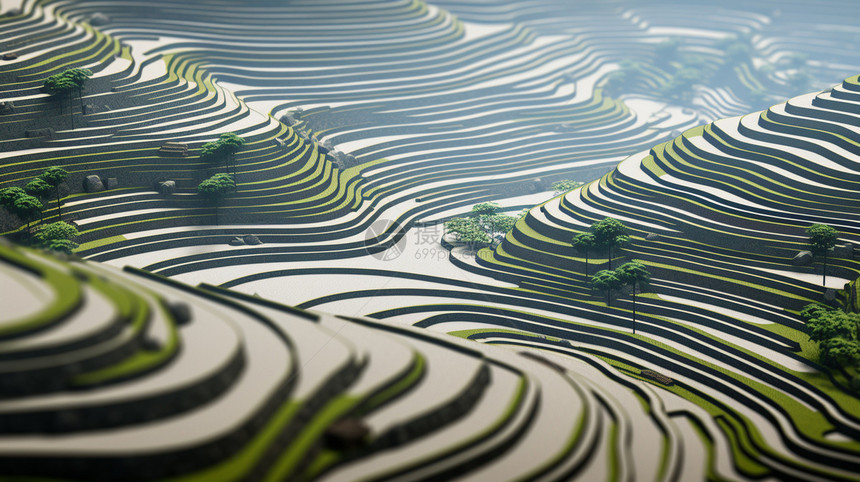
pixel 124 375
pixel 717 215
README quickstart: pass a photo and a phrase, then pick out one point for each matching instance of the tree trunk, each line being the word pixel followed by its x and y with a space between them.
pixel 81 99
pixel 59 214
pixel 608 293
pixel 72 112
pixel 586 265
pixel 610 258
pixel 216 215
pixel 824 273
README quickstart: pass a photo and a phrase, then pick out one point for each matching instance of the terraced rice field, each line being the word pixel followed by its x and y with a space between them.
pixel 368 124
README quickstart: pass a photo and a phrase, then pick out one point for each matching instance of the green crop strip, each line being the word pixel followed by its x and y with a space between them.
pixel 67 292
pixel 312 431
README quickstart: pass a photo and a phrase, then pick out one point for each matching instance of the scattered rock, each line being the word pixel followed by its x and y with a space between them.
pixel 10 56
pixel 167 187
pixel 844 251
pixel 7 107
pixel 346 433
pixel 829 295
pixel 237 241
pixel 106 107
pixel 657 377
pixel 89 109
pixel 112 183
pixel 802 258
pixel 181 312
pixel 652 236
pixel 47 132
pixel 99 19
pixel 280 142
pixel 251 239
pixel 93 184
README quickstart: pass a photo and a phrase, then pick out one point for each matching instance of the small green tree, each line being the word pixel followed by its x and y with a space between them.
pixel 610 233
pixel 468 231
pixel 8 196
pixel 230 144
pixel 583 243
pixel 225 148
pixel 822 238
pixel 79 77
pixel 634 274
pixel 55 176
pixel 837 334
pixel 485 209
pixel 39 189
pixel 60 87
pixel 497 223
pixel 606 280
pixel 58 237
pixel 27 208
pixel 215 189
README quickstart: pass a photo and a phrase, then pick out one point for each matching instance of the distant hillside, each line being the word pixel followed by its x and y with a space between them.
pixel 717 215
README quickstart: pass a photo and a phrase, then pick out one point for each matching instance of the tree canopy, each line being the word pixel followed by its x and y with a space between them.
pixel 224 148
pixel 217 186
pixel 27 208
pixel 610 233
pixel 60 85
pixel 483 224
pixel 8 196
pixel 821 238
pixel 78 76
pixel 467 231
pixel 485 209
pixel 39 188
pixel 58 236
pixel 583 243
pixel 54 176
pixel 215 189
pixel 63 84
pixel 606 280
pixel 837 334
pixel 633 273
pixel 230 143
